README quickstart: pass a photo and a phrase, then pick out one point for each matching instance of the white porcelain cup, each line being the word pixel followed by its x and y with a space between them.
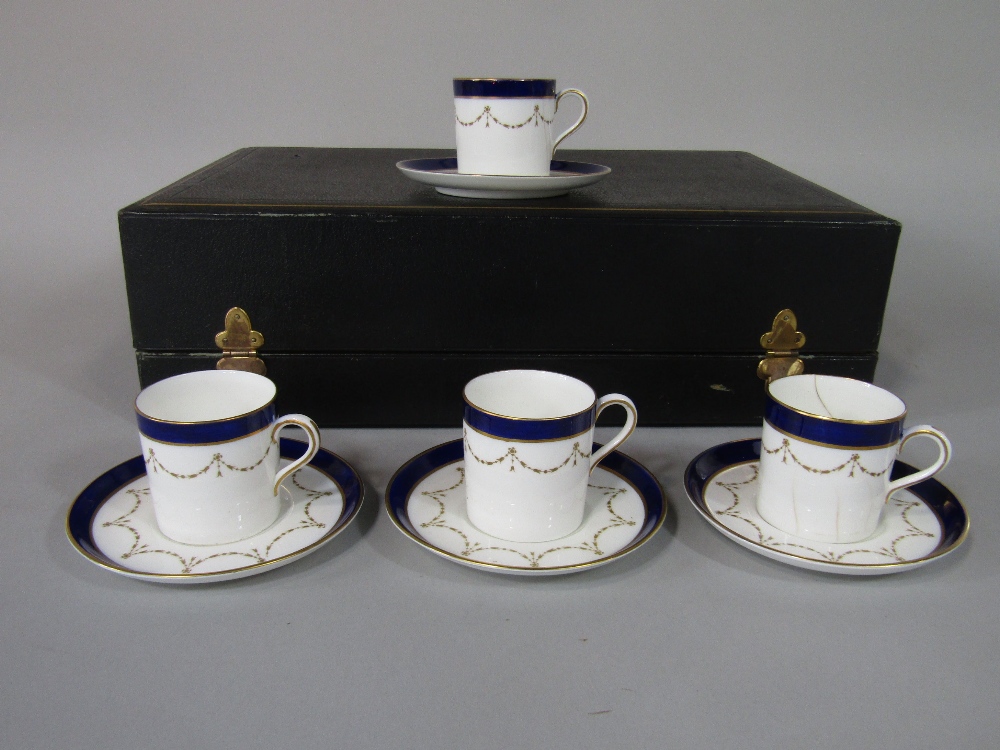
pixel 529 438
pixel 210 442
pixel 503 126
pixel 827 451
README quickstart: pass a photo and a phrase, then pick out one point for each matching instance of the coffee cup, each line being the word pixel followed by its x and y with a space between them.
pixel 210 443
pixel 827 450
pixel 528 437
pixel 503 126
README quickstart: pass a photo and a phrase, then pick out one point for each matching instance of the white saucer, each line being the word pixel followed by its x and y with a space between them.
pixel 426 501
pixel 920 524
pixel 443 174
pixel 112 524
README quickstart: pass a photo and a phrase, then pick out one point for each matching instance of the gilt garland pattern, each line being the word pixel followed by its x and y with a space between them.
pixel 852 464
pixel 742 498
pixel 217 461
pixel 532 557
pixel 487 114
pixel 512 458
pixel 188 564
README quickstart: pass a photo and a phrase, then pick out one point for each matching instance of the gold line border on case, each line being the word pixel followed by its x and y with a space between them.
pixel 438 207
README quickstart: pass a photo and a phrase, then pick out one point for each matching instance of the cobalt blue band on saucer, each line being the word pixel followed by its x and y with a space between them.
pixel 201 433
pixel 529 429
pixel 841 434
pixel 507 88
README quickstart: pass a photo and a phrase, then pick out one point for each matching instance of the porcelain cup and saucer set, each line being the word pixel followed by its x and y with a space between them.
pixel 525 490
pixel 822 488
pixel 505 144
pixel 216 494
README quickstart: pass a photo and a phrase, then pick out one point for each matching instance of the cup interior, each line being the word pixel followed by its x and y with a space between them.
pixel 529 394
pixel 841 399
pixel 205 396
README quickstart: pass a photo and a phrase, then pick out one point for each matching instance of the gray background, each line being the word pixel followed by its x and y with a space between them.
pixel 691 642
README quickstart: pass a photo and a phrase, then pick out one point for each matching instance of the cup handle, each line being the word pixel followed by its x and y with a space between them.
pixel 312 431
pixel 578 123
pixel 944 456
pixel 631 416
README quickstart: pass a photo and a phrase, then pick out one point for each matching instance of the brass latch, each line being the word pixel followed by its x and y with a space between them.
pixel 782 343
pixel 239 344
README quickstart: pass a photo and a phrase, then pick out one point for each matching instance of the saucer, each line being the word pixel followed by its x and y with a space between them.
pixel 112 524
pixel 426 501
pixel 443 174
pixel 921 523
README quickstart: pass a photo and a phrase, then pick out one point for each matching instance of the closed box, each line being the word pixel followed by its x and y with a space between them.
pixel 378 298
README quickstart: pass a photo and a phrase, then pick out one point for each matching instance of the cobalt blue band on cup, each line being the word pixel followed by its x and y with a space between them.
pixel 201 433
pixel 529 429
pixel 827 431
pixel 505 88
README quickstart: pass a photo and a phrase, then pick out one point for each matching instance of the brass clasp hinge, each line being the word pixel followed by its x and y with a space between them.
pixel 239 344
pixel 782 343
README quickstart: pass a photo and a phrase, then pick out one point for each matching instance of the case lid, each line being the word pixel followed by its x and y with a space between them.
pixel 664 185
pixel 335 250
